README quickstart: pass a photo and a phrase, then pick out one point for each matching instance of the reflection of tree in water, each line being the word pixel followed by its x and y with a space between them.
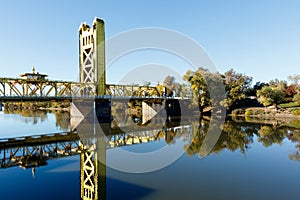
pixel 170 135
pixel 197 137
pixel 39 116
pixel 269 135
pixel 30 116
pixel 234 136
pixel 62 120
pixel 294 136
pixel 295 156
pixel 240 136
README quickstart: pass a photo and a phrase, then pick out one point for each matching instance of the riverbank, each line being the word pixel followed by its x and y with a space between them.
pixel 38 105
pixel 268 112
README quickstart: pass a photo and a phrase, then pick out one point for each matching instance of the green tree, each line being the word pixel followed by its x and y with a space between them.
pixel 236 86
pixel 199 87
pixel 282 85
pixel 297 97
pixel 201 83
pixel 269 95
pixel 252 90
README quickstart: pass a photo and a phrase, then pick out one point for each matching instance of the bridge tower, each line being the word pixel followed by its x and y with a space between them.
pixel 92 55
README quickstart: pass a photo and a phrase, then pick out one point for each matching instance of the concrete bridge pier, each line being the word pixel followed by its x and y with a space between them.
pixel 103 110
pixel 173 109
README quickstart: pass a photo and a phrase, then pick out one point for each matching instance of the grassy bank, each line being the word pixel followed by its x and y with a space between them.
pixel 268 112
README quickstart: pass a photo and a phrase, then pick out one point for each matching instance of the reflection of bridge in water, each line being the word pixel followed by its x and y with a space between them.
pixel 56 145
pixel 34 151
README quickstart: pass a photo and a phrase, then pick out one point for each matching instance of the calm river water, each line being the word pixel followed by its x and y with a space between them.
pixel 251 160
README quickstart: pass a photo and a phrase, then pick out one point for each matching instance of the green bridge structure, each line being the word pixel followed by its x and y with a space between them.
pixel 92 76
pixel 92 80
pixel 95 100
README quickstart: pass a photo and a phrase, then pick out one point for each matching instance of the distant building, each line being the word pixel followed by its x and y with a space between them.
pixel 33 75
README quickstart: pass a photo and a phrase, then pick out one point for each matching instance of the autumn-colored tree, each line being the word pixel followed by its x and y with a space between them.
pixel 291 90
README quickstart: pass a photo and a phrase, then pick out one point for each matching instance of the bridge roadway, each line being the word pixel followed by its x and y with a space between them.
pixel 34 150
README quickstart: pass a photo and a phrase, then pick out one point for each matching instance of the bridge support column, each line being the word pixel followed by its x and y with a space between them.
pixel 103 110
pixel 173 109
pixel 1 105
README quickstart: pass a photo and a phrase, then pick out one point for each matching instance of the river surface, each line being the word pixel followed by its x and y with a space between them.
pixel 250 160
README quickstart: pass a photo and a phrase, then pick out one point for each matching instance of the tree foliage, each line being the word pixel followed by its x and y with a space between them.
pixel 198 86
pixel 236 86
pixel 270 95
pixel 291 90
pixel 297 98
pixel 251 91
pixel 203 83
pixel 169 82
pixel 174 88
pixel 295 78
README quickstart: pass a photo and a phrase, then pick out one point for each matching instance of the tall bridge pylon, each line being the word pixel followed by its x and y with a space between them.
pixel 92 55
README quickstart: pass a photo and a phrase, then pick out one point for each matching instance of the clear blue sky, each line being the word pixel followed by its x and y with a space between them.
pixel 258 38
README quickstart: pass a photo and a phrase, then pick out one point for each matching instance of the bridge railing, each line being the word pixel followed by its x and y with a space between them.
pixel 13 87
pixel 18 88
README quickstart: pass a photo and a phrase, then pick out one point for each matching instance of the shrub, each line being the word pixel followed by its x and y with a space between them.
pixel 296 111
pixel 296 97
pixel 248 112
pixel 238 112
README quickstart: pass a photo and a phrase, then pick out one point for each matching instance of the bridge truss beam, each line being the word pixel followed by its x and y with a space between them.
pixel 16 87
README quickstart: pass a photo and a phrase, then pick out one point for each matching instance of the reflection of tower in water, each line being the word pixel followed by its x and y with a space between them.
pixel 93 169
pixel 92 160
